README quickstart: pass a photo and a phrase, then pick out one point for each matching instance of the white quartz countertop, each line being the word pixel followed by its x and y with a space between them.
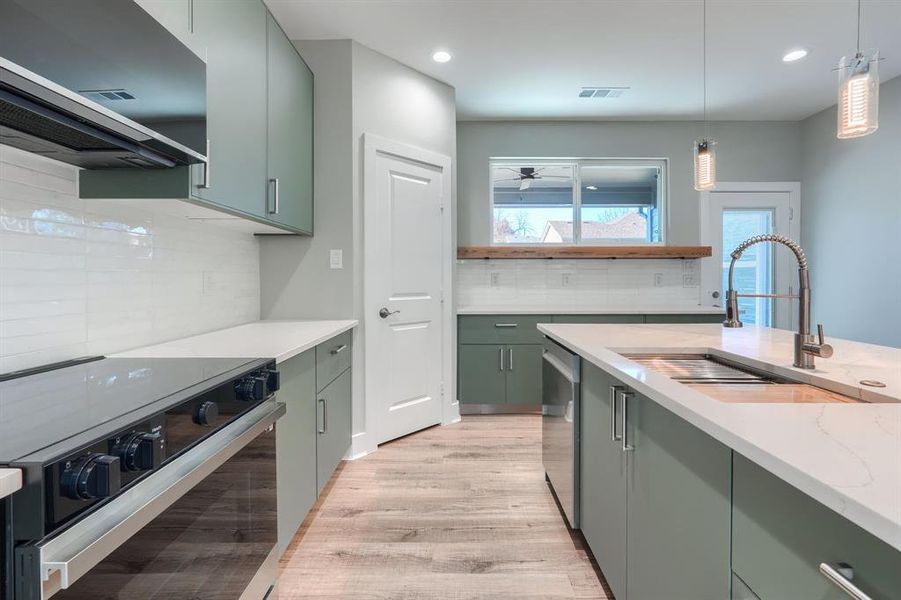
pixel 589 310
pixel 10 481
pixel 846 456
pixel 280 340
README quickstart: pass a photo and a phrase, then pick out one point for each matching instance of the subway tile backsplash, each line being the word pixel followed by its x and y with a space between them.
pixel 587 283
pixel 94 277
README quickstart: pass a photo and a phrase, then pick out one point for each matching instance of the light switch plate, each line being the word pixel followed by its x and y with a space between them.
pixel 336 259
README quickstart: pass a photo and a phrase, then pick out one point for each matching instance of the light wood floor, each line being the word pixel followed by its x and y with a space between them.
pixel 456 512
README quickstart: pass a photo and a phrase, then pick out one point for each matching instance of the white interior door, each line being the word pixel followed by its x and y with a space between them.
pixel 734 215
pixel 404 192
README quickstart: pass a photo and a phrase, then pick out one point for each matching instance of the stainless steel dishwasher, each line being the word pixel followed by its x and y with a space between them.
pixel 561 376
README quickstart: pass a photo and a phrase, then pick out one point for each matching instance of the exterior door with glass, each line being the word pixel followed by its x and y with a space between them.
pixel 734 215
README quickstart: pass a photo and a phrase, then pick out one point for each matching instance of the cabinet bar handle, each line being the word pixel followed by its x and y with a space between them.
pixel 511 358
pixel 339 349
pixel 614 392
pixel 274 182
pixel 207 178
pixel 501 352
pixel 324 427
pixel 627 447
pixel 506 325
pixel 841 577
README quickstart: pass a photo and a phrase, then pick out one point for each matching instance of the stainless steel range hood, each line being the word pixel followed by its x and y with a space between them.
pixel 99 84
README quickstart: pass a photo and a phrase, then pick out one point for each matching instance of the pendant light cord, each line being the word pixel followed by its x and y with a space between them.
pixel 858 26
pixel 704 60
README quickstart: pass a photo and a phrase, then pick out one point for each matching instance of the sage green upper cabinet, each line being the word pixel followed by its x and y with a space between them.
pixel 234 33
pixel 178 17
pixel 679 507
pixel 290 140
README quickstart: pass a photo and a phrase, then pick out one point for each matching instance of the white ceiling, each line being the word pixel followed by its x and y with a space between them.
pixel 528 59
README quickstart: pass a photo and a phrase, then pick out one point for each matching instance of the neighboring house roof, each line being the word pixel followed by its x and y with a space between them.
pixel 631 225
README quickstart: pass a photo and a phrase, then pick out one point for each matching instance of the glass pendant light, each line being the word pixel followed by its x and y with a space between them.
pixel 705 148
pixel 858 92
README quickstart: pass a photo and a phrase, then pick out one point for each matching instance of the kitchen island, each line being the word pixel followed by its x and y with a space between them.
pixel 833 466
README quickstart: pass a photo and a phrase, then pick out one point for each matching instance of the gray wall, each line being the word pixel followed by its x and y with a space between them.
pixel 356 91
pixel 851 223
pixel 752 151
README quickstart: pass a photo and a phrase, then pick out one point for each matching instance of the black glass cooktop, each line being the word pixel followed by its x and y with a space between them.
pixel 44 409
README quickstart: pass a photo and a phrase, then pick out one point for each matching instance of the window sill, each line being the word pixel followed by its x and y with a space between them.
pixel 539 252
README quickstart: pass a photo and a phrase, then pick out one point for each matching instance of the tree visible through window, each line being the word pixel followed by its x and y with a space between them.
pixel 579 202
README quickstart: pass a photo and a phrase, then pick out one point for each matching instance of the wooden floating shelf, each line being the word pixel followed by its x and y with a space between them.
pixel 539 252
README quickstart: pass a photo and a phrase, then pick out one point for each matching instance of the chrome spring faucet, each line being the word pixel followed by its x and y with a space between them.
pixel 806 347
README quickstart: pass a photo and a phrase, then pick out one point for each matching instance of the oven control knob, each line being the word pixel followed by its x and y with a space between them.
pixel 140 452
pixel 273 380
pixel 206 412
pixel 251 388
pixel 92 476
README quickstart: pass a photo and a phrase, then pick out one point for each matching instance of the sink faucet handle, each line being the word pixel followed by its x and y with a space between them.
pixel 820 334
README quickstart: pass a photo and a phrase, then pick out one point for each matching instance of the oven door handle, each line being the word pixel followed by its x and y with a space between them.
pixel 71 554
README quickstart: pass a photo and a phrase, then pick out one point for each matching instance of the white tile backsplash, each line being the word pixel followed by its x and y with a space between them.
pixel 94 277
pixel 573 283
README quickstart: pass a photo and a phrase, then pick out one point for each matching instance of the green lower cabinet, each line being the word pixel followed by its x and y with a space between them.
pixel 679 507
pixel 600 319
pixel 656 516
pixel 781 536
pixel 333 429
pixel 603 477
pixel 499 374
pixel 481 379
pixel 295 438
pixel 523 375
pixel 690 318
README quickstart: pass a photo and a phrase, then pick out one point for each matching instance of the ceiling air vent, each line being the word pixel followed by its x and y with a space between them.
pixel 602 92
pixel 106 95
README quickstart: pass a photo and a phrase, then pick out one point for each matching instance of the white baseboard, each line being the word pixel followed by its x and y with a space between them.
pixel 360 446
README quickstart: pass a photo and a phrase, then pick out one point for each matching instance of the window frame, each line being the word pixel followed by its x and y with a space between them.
pixel 577 164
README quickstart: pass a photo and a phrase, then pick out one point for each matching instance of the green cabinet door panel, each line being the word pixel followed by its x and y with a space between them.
pixel 234 33
pixel 296 445
pixel 598 319
pixel 603 477
pixel 679 508
pixel 480 379
pixel 334 427
pixel 524 374
pixel 500 329
pixel 290 138
pixel 781 535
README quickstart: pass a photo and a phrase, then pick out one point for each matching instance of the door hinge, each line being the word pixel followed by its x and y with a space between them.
pixel 441 296
pixel 441 389
pixel 791 213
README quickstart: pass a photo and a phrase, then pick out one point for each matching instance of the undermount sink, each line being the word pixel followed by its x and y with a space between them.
pixel 727 381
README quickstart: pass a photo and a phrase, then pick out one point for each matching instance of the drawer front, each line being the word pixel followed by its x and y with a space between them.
pixel 332 359
pixel 501 329
pixel 717 318
pixel 780 536
pixel 623 319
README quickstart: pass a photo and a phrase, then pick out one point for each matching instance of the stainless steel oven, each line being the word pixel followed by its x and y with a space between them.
pixel 561 377
pixel 204 526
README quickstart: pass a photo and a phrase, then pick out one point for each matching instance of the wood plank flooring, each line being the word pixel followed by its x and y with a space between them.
pixel 457 512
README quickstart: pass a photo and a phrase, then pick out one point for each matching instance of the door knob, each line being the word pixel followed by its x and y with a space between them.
pixel 385 313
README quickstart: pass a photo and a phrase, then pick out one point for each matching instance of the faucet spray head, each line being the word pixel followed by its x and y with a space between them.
pixel 732 319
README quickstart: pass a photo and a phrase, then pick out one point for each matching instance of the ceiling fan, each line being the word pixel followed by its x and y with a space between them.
pixel 526 175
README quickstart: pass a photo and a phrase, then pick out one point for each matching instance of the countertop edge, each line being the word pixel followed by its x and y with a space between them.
pixel 872 521
pixel 315 342
pixel 576 310
pixel 10 481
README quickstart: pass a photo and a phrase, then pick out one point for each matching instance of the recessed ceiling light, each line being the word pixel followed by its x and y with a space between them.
pixel 441 56
pixel 794 55
pixel 593 188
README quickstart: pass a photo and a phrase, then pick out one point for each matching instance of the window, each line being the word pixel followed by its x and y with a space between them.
pixel 610 201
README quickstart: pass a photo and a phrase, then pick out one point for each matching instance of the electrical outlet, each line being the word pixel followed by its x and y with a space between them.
pixel 495 279
pixel 658 279
pixel 690 280
pixel 336 259
pixel 566 279
pixel 689 266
